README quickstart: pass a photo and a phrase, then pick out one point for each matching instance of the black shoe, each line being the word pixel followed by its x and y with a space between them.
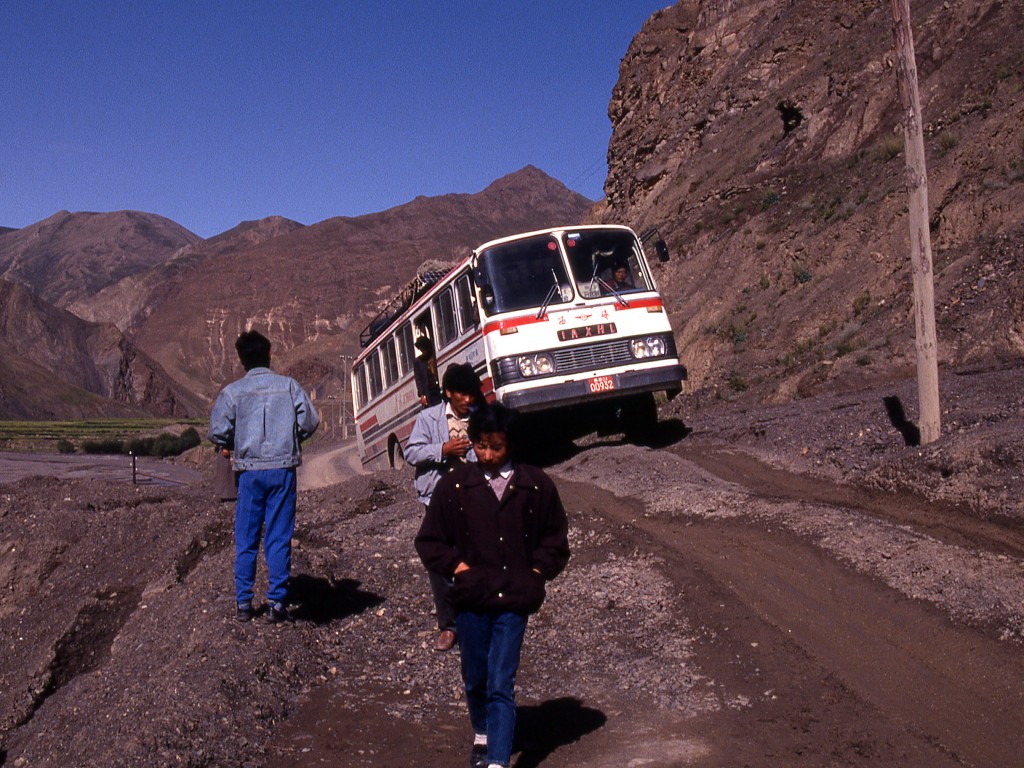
pixel 478 756
pixel 244 612
pixel 277 614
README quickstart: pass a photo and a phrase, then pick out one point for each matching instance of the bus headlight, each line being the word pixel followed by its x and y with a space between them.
pixel 536 365
pixel 652 346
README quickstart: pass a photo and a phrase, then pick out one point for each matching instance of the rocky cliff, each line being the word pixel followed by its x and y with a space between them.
pixel 765 139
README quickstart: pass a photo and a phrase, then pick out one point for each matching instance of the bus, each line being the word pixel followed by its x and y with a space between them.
pixel 559 321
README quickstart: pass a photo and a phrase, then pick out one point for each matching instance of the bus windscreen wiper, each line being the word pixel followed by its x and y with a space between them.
pixel 554 289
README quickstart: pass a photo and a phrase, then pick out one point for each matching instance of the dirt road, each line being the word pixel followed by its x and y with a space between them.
pixel 795 653
pixel 723 607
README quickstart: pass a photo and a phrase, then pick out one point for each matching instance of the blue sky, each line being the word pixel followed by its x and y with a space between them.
pixel 211 113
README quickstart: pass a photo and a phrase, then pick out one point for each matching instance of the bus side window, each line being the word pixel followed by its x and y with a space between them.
pixel 467 310
pixel 359 376
pixel 447 329
pixel 373 374
pixel 390 355
pixel 406 352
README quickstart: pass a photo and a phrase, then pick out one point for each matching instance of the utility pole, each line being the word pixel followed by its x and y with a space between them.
pixel 920 237
pixel 346 361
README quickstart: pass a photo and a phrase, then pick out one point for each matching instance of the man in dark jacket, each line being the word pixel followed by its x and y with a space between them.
pixel 499 528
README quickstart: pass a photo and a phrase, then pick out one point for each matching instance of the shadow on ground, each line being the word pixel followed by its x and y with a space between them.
pixel 322 601
pixel 542 729
pixel 546 449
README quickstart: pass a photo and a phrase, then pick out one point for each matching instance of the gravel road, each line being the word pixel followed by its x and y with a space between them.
pixel 766 586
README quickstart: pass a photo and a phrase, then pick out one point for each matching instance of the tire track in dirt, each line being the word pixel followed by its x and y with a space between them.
pixel 925 691
pixel 944 522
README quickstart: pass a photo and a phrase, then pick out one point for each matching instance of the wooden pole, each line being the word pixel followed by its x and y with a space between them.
pixel 920 237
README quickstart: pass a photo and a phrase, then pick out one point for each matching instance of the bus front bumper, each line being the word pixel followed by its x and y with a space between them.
pixel 665 379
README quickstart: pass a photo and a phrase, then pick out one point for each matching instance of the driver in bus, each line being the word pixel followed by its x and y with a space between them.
pixel 439 442
pixel 620 279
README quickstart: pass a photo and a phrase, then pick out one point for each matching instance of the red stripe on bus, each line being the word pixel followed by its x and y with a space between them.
pixel 499 325
pixel 515 322
pixel 640 304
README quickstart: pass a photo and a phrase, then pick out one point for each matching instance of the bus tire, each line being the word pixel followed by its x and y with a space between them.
pixel 640 419
pixel 397 455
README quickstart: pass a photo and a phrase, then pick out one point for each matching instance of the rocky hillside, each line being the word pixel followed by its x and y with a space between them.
pixel 128 302
pixel 72 255
pixel 180 301
pixel 764 138
pixel 56 365
pixel 312 289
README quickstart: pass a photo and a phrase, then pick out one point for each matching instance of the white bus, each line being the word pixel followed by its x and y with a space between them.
pixel 561 321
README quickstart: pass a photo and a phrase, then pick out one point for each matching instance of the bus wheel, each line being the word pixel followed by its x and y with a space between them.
pixel 640 419
pixel 397 455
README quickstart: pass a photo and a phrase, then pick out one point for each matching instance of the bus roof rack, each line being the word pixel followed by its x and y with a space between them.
pixel 401 302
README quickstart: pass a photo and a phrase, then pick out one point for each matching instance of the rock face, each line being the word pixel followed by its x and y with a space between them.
pixel 72 255
pixel 765 140
pixel 57 366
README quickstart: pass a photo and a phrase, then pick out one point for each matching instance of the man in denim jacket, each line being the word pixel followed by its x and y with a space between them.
pixel 263 417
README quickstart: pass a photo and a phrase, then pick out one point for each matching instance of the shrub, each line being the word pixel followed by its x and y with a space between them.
pixel 105 445
pixel 889 148
pixel 737 383
pixel 861 303
pixel 65 446
pixel 190 439
pixel 947 141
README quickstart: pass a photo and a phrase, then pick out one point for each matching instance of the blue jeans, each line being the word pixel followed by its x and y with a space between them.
pixel 489 645
pixel 266 504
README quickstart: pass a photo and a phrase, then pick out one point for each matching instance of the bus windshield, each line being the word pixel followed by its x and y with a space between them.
pixel 605 262
pixel 523 274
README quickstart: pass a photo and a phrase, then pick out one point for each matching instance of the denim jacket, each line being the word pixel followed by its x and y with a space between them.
pixel 263 417
pixel 423 450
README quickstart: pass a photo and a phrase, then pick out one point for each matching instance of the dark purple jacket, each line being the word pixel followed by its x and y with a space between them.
pixel 501 542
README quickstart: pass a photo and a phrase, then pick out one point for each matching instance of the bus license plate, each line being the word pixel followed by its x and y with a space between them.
pixel 601 384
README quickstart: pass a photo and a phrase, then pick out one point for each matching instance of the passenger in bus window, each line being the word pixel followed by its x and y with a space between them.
pixel 439 442
pixel 425 371
pixel 499 529
pixel 620 280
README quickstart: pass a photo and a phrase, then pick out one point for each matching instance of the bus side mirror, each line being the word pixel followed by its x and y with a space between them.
pixel 653 237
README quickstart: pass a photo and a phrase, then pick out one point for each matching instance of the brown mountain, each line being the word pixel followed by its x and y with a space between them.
pixel 312 289
pixel 765 139
pixel 72 255
pixel 55 365
pixel 128 302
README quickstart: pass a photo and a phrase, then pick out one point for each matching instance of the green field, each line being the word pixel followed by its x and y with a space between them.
pixel 45 435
